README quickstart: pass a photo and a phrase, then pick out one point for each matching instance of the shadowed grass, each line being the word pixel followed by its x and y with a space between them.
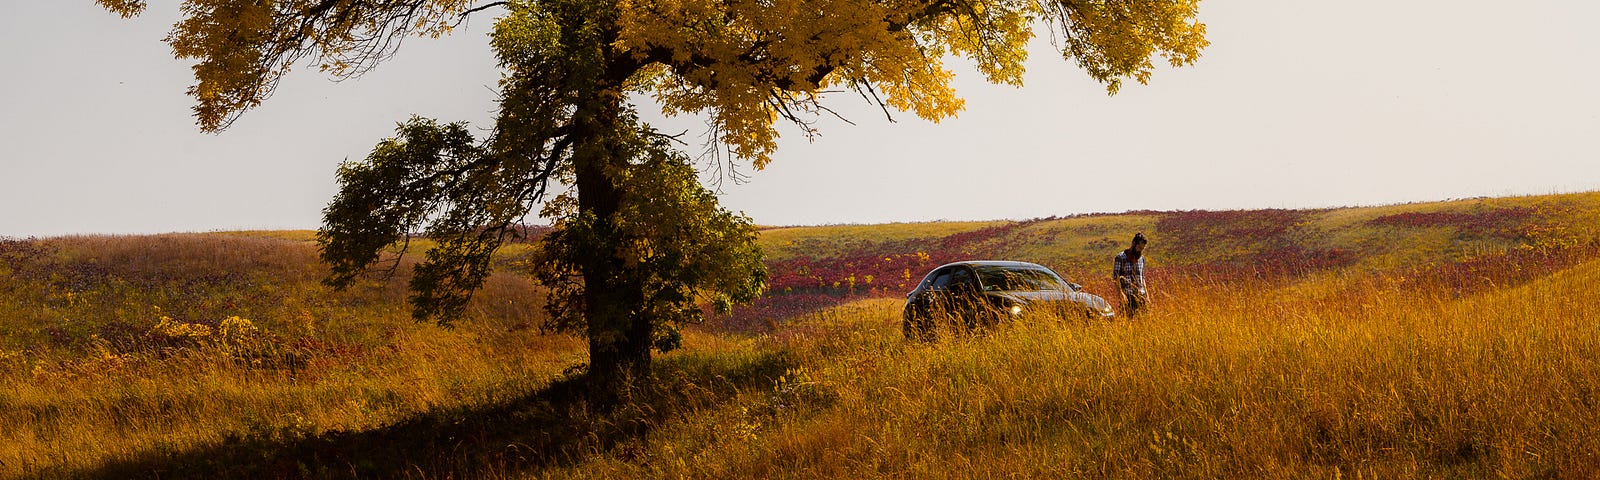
pixel 554 425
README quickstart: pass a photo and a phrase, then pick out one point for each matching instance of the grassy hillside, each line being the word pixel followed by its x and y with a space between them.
pixel 112 347
pixel 816 267
pixel 1452 339
pixel 1366 383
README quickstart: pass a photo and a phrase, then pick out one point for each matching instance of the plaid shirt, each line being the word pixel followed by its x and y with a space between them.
pixel 1133 271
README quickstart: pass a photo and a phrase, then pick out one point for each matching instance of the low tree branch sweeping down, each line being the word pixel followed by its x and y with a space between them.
pixel 638 242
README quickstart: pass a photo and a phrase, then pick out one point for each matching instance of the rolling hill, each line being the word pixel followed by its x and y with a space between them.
pixel 812 267
pixel 1451 339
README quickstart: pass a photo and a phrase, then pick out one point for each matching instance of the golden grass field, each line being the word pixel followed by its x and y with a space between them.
pixel 1443 340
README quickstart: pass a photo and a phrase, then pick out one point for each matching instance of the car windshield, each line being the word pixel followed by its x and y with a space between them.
pixel 1017 279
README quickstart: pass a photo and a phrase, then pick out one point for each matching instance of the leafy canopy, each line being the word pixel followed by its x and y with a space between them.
pixel 746 63
pixel 638 241
pixel 679 247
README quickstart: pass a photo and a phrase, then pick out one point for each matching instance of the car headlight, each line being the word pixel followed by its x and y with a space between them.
pixel 1016 310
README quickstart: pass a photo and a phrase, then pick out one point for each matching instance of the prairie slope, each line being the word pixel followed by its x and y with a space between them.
pixel 887 260
pixel 1327 377
pixel 1452 339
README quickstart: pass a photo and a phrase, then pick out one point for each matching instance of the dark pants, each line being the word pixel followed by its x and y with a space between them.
pixel 1133 303
pixel 1133 299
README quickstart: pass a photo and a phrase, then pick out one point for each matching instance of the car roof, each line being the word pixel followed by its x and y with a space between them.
pixel 997 263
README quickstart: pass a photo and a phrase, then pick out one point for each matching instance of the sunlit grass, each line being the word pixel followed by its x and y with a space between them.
pixel 1406 362
pixel 1497 385
pixel 112 348
pixel 111 408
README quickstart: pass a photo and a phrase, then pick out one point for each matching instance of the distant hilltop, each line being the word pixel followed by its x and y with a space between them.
pixel 818 264
pixel 816 267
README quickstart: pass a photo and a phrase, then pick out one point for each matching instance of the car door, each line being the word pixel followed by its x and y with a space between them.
pixel 931 297
pixel 949 292
pixel 963 296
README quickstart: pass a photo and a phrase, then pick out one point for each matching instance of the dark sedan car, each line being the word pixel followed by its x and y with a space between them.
pixel 975 294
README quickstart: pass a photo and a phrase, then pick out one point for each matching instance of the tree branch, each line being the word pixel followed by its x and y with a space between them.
pixel 486 6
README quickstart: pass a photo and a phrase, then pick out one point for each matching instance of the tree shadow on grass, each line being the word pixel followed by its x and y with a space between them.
pixel 559 425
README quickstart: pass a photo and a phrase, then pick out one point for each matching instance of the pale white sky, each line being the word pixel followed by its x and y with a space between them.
pixel 1295 104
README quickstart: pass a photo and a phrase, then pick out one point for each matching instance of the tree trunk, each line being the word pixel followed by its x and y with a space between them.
pixel 619 333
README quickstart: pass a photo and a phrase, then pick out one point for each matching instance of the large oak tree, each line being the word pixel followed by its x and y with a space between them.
pixel 638 242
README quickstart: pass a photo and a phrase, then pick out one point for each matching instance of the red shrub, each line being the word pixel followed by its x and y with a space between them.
pixel 1492 222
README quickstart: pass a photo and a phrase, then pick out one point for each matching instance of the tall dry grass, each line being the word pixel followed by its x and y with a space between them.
pixel 119 348
pixel 1329 377
pixel 1474 363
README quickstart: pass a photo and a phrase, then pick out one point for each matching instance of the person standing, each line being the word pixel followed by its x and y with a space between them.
pixel 1128 268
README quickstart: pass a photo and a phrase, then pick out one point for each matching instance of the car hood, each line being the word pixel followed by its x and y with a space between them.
pixel 1092 301
pixel 1043 296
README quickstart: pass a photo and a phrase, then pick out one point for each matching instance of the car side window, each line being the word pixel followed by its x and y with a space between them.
pixel 961 278
pixel 940 280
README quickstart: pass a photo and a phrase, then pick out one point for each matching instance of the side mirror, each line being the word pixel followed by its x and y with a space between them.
pixel 1075 287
